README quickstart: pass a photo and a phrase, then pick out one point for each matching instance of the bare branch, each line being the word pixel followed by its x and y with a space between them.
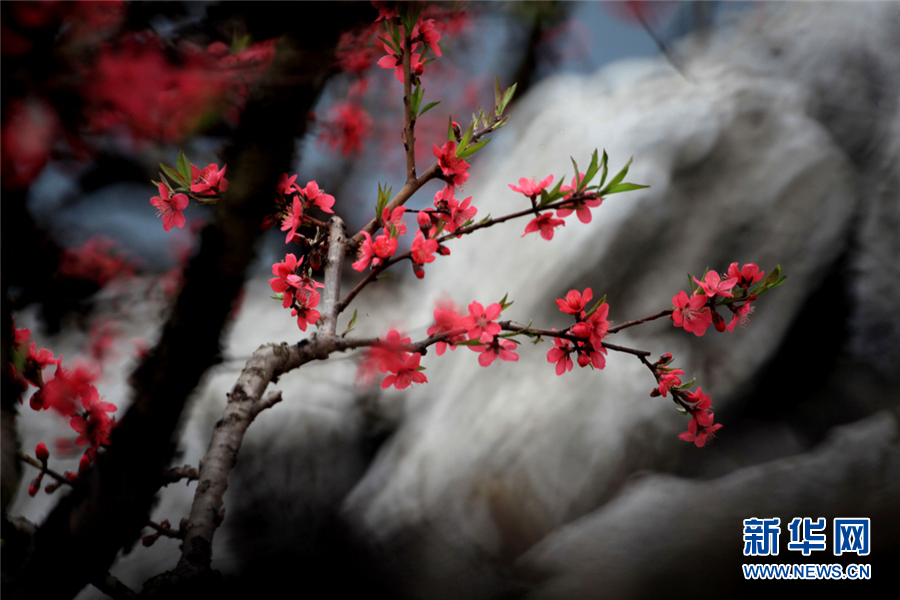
pixel 337 251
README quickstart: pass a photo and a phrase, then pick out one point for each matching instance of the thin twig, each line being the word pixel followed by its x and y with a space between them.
pixel 37 465
pixel 628 324
pixel 114 588
pixel 409 136
pixel 176 474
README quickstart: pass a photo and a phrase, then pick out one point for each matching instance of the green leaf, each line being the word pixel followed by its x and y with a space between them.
pixel 429 107
pixel 485 220
pixel 685 386
pixel 618 178
pixel 498 96
pixel 692 284
pixel 278 296
pixel 389 44
pixel 384 276
pixel 350 326
pixel 384 196
pixel 473 149
pixel 603 169
pixel 184 167
pixel 592 169
pixel 429 61
pixel 504 304
pixel 450 135
pixel 475 342
pixel 465 138
pixel 552 195
pixel 577 174
pixel 173 174
pixel 507 97
pixel 622 187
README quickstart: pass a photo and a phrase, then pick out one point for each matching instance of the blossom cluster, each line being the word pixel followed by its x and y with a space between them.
pixel 70 392
pixel 298 292
pixel 696 313
pixel 205 185
pixel 590 328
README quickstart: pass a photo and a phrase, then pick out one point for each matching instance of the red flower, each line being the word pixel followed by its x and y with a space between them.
pixel 741 315
pixel 170 208
pixel 210 181
pixel 446 319
pixel 594 327
pixel 530 188
pixel 384 246
pixel 560 355
pixel 712 285
pixel 451 166
pixel 575 302
pixel 286 281
pixel 748 274
pixel 480 322
pixel 582 207
pixel 669 379
pixel 498 348
pixel 306 300
pixel 405 374
pixel 292 220
pixel 428 34
pixel 366 251
pixel 691 313
pixel 316 197
pixel 423 250
pixel 286 185
pixel 393 221
pixel 348 125
pixel 545 224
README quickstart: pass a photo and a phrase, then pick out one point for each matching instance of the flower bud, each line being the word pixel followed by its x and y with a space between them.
pixel 443 250
pixel 654 393
pixel 149 540
pixel 84 463
pixel 424 220
pixel 52 487
pixel 41 452
pixel 417 270
pixel 665 359
pixel 457 132
pixel 718 321
pixel 35 485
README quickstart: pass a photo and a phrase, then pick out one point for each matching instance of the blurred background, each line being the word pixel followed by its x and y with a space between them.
pixel 768 132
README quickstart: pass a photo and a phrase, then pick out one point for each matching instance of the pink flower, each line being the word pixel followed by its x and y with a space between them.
pixel 396 62
pixel 594 327
pixel 700 428
pixel 747 275
pixel 316 197
pixel 286 185
pixel 348 125
pixel 560 355
pixel 741 316
pixel 170 208
pixel 384 246
pixel 423 250
pixel 545 224
pixel 307 300
pixel 453 213
pixel 451 166
pixel 669 379
pixel 292 220
pixel 480 322
pixel 446 319
pixel 406 374
pixel 692 314
pixel 366 252
pixel 594 357
pixel 498 348
pixel 530 188
pixel 712 285
pixel 209 181
pixel 582 207
pixel 575 302
pixel 286 281
pixel 704 401
pixel 428 34
pixel 393 221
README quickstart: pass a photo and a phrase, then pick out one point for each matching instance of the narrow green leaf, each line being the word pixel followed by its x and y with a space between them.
pixel 389 44
pixel 552 195
pixel 485 220
pixel 465 138
pixel 577 174
pixel 429 107
pixel 498 96
pixel 603 169
pixel 618 178
pixel 508 95
pixel 384 276
pixel 503 300
pixel 592 169
pixel 450 135
pixel 622 187
pixel 692 284
pixel 184 166
pixel 173 174
pixel 352 323
pixel 473 149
